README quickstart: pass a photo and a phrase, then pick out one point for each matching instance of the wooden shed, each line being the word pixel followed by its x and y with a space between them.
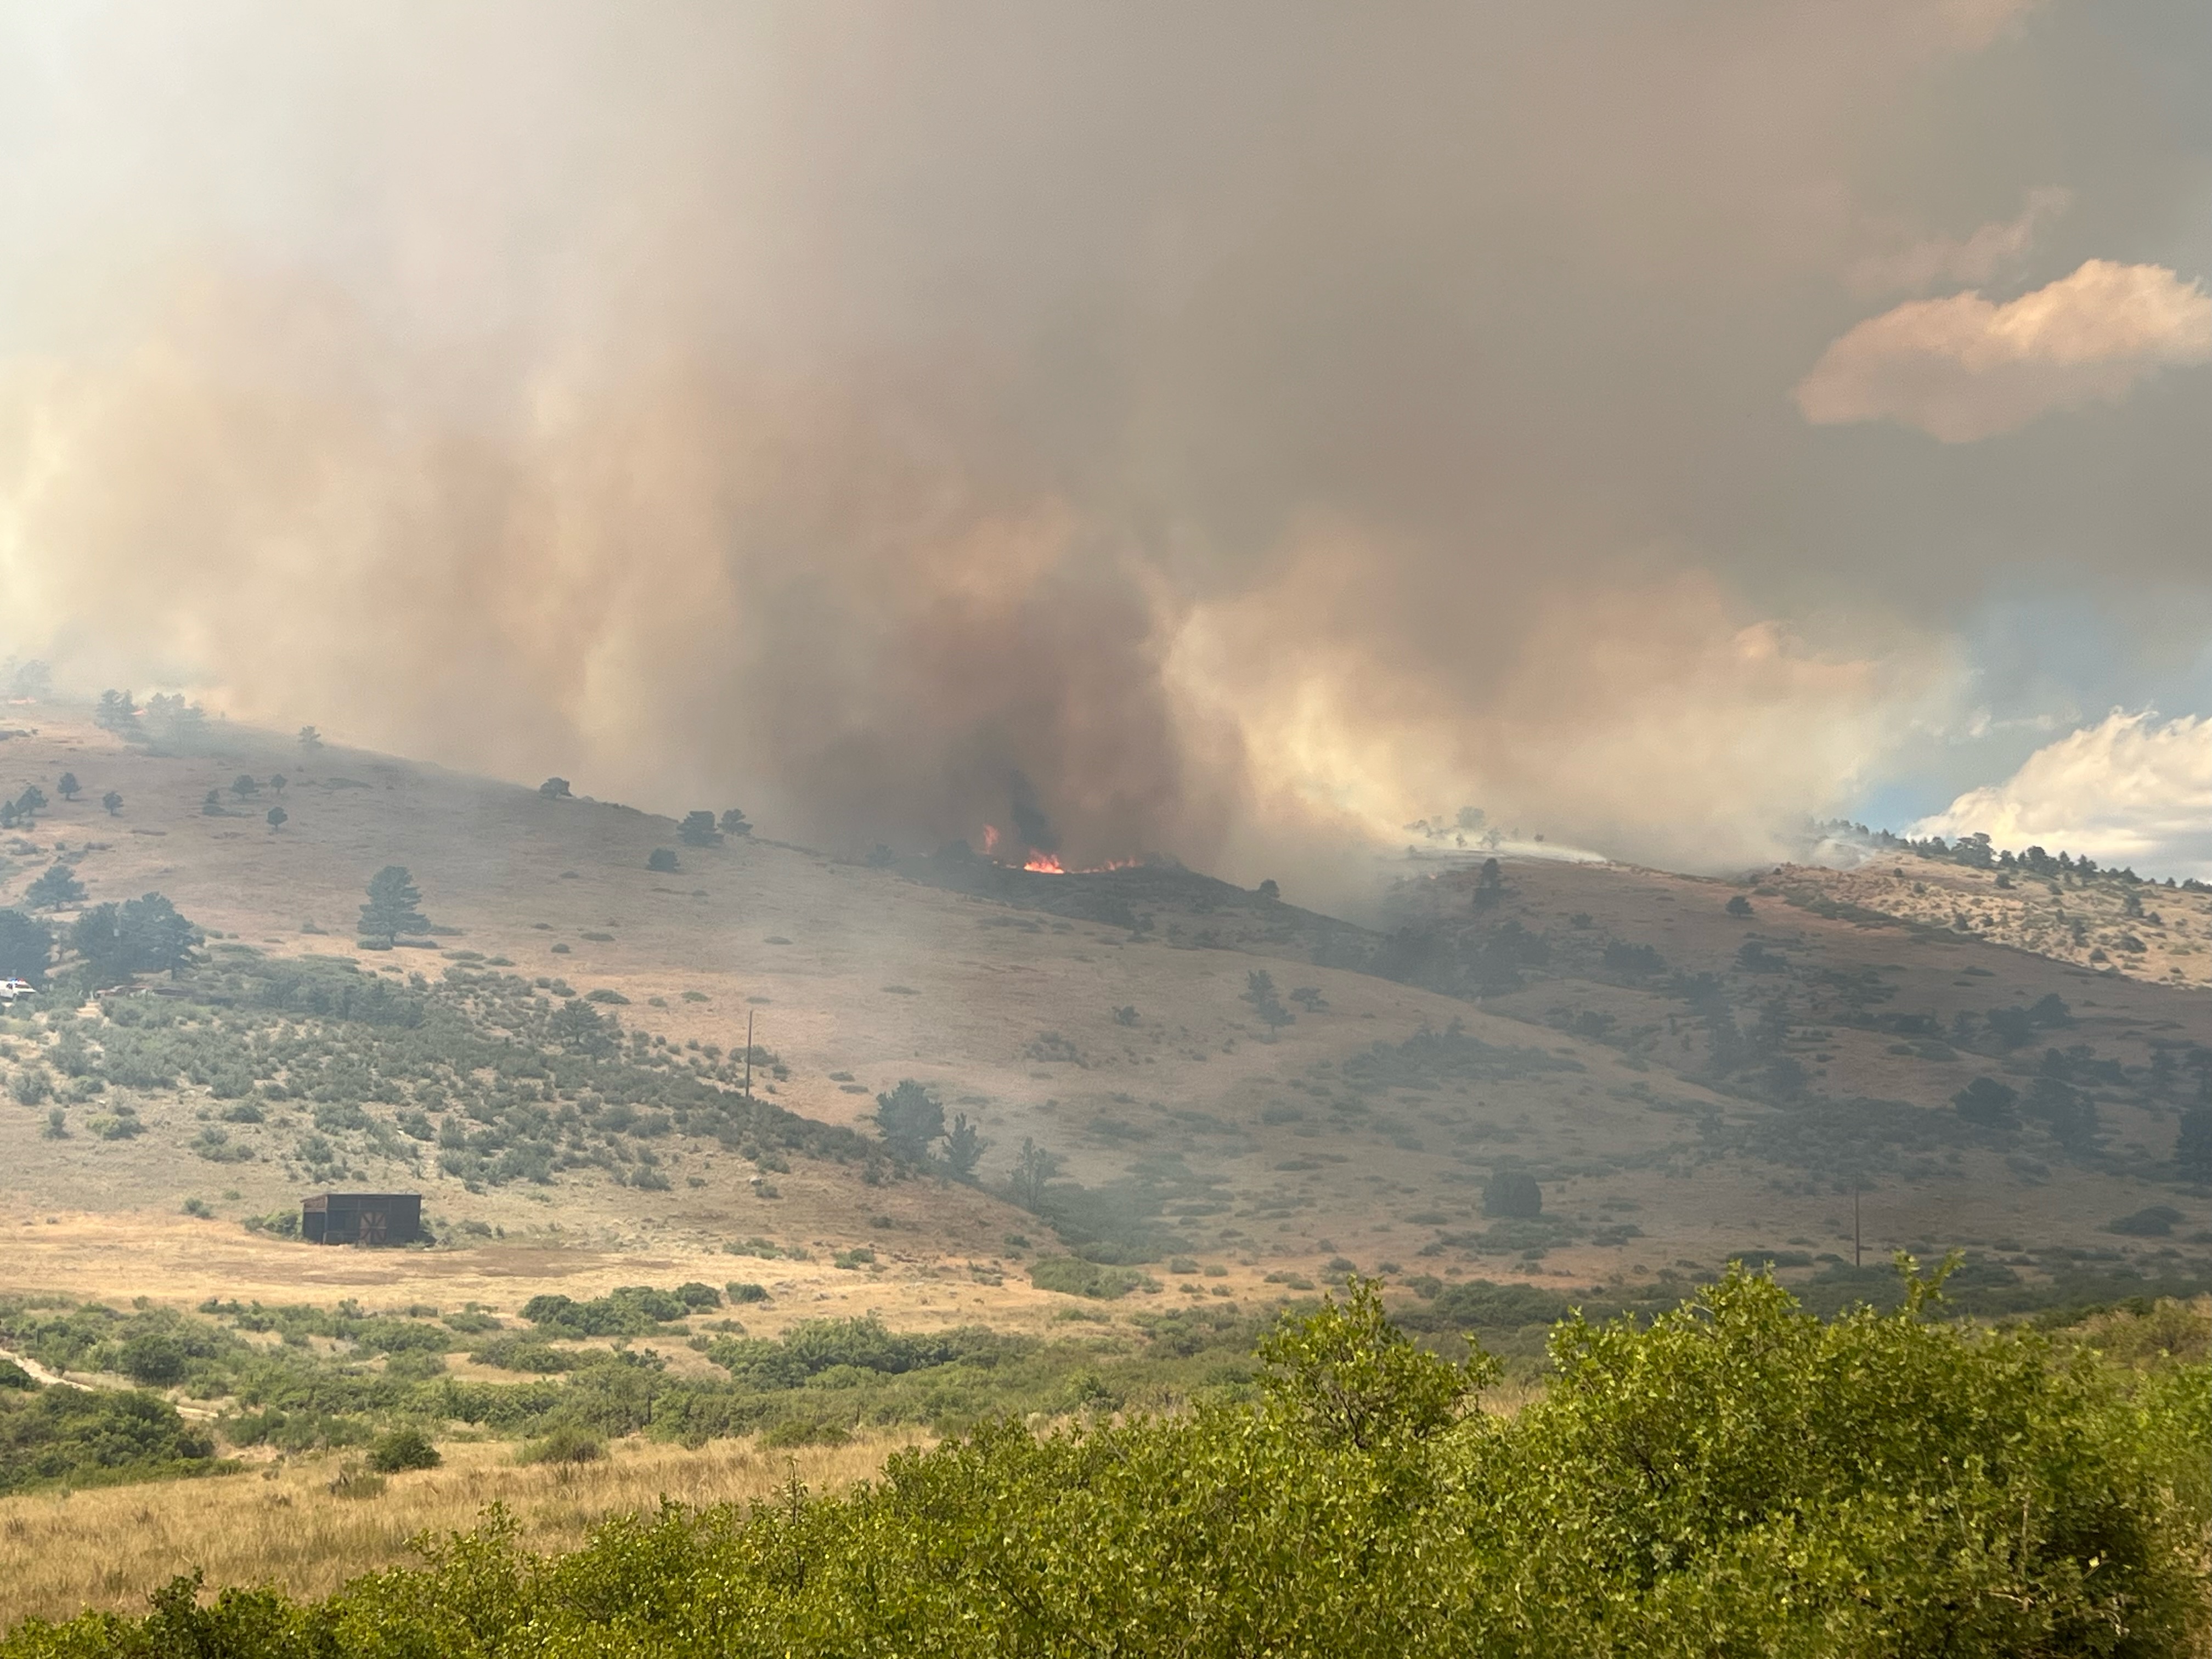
pixel 362 1218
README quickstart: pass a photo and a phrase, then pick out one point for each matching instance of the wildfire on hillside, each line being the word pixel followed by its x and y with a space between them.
pixel 1042 863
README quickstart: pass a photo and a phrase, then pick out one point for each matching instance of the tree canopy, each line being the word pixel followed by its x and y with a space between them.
pixel 56 889
pixel 965 1147
pixel 909 1118
pixel 139 936
pixel 392 906
pixel 27 947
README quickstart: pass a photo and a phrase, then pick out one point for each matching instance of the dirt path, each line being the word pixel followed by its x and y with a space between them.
pixel 40 1373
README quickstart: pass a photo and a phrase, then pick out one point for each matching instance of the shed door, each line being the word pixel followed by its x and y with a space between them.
pixel 372 1231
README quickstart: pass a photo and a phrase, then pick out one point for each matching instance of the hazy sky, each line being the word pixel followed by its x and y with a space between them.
pixel 1243 428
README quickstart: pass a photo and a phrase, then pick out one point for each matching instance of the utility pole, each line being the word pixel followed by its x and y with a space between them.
pixel 749 1059
pixel 1855 1220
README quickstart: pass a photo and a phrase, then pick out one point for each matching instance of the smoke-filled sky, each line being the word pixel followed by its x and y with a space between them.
pixel 1231 430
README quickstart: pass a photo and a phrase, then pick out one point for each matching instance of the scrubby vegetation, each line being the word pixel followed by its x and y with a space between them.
pixel 338 1074
pixel 1737 1476
pixel 302 1378
pixel 65 1436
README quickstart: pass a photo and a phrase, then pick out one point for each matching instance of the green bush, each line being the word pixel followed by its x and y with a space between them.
pixel 565 1444
pixel 95 1437
pixel 802 1432
pixel 522 1353
pixel 156 1359
pixel 1070 1275
pixel 1513 1194
pixel 628 1310
pixel 353 1480
pixel 401 1448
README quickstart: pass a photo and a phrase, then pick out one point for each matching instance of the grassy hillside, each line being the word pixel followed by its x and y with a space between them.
pixel 1220 1075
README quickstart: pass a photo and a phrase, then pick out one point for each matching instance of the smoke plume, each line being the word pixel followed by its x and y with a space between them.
pixel 1231 431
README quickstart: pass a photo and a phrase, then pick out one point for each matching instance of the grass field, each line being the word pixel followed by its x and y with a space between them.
pixel 280 1524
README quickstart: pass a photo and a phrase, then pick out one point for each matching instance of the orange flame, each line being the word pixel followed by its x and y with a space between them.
pixel 1048 864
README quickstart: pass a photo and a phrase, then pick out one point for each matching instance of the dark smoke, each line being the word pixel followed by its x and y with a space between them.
pixel 1247 427
pixel 1030 825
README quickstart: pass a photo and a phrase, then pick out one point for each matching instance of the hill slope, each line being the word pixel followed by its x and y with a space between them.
pixel 1681 1082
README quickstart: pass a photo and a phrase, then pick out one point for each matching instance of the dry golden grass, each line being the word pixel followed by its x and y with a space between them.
pixel 2167 941
pixel 61 1554
pixel 178 1261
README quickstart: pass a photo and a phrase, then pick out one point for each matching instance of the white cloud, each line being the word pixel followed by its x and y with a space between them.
pixel 1963 367
pixel 2133 789
pixel 1987 253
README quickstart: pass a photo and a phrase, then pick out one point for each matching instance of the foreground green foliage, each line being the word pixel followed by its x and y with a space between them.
pixel 1739 1478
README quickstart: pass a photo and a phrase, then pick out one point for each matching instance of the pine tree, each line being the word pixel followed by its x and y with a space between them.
pixel 26 947
pixel 963 1148
pixel 140 936
pixel 908 1119
pixel 391 908
pixel 56 888
pixel 1033 1168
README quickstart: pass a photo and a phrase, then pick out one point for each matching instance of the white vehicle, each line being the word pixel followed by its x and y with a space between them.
pixel 12 988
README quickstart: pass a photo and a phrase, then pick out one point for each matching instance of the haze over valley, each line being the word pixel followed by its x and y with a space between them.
pixel 976 829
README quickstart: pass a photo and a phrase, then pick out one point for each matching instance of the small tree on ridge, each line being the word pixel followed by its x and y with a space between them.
pixel 393 905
